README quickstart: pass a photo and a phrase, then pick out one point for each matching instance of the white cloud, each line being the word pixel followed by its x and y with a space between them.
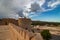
pixel 12 8
pixel 53 4
pixel 9 8
pixel 41 2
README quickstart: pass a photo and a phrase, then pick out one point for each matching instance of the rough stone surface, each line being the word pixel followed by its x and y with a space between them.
pixel 10 32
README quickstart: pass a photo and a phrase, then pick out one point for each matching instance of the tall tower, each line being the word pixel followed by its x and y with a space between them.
pixel 24 23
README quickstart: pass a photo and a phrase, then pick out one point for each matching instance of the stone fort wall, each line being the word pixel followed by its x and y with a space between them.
pixel 22 34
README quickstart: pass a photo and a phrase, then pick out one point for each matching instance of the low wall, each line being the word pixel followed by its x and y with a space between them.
pixel 22 34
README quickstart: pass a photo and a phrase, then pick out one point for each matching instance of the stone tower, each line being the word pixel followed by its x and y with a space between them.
pixel 24 23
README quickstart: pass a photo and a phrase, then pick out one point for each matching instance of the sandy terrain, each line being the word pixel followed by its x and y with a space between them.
pixel 55 31
pixel 5 33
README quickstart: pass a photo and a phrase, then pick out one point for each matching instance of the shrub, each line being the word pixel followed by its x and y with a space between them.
pixel 46 34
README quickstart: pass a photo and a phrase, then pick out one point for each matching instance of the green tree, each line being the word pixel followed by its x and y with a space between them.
pixel 46 34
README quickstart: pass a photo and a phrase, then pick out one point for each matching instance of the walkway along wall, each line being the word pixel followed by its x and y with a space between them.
pixel 22 34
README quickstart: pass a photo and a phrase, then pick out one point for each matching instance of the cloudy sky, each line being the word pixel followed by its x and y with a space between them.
pixel 43 10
